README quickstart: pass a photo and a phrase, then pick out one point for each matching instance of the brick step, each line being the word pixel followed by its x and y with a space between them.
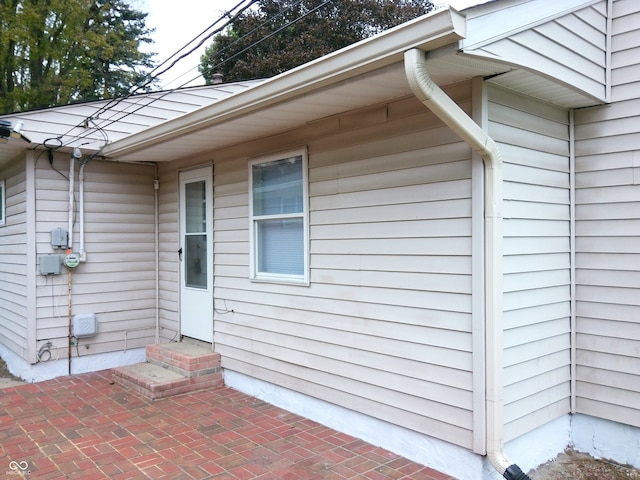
pixel 172 369
pixel 184 358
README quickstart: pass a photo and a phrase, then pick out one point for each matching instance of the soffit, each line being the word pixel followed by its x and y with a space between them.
pixel 379 86
pixel 375 87
pixel 372 88
pixel 362 74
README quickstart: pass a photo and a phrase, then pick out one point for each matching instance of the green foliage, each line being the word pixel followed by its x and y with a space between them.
pixel 326 26
pixel 54 52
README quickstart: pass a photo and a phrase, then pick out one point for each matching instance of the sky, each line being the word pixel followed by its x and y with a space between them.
pixel 178 22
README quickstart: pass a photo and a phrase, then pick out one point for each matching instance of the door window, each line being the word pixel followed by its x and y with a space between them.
pixel 195 261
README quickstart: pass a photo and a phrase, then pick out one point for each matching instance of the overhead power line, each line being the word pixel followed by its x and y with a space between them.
pixel 105 122
pixel 205 34
pixel 228 17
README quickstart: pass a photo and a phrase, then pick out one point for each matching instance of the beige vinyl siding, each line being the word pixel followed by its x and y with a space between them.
pixel 117 282
pixel 534 140
pixel 169 243
pixel 13 261
pixel 624 57
pixel 385 326
pixel 607 233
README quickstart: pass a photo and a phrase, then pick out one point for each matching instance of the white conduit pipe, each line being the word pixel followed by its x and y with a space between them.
pixel 455 118
pixel 83 253
pixel 72 166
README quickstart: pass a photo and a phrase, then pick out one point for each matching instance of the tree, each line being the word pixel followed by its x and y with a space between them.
pixel 268 40
pixel 55 52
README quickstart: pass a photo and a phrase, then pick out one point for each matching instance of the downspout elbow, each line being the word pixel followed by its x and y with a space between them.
pixel 504 467
pixel 513 472
pixel 436 100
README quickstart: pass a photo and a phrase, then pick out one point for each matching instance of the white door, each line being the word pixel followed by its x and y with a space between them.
pixel 196 254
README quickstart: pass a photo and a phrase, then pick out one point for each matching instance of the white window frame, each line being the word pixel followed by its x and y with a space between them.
pixel 3 203
pixel 256 275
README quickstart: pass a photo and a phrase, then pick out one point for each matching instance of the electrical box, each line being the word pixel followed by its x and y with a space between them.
pixel 59 238
pixel 50 264
pixel 84 325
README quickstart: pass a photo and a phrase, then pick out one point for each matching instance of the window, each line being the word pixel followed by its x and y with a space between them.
pixel 2 203
pixel 278 218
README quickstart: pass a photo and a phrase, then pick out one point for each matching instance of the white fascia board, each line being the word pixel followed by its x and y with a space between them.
pixel 427 32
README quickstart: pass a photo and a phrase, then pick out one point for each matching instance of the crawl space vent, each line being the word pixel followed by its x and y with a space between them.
pixel 84 325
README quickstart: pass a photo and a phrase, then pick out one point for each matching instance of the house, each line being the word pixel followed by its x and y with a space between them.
pixel 427 239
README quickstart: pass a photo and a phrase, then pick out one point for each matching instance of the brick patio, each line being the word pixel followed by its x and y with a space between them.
pixel 88 428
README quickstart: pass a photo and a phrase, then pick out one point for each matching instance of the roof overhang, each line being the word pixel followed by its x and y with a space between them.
pixel 493 41
pixel 90 125
pixel 363 74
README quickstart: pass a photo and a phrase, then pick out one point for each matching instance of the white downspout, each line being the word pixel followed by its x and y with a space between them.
pixel 455 118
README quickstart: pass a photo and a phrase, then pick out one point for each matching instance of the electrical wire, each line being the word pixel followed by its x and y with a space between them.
pixel 267 21
pixel 275 32
pixel 44 354
pixel 208 36
pixel 248 34
pixel 111 104
pixel 106 122
pixel 288 24
pixel 152 75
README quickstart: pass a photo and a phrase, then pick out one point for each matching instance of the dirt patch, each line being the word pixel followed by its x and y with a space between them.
pixel 572 465
pixel 6 379
pixel 4 371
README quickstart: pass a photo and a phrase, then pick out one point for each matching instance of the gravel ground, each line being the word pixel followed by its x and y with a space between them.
pixel 570 465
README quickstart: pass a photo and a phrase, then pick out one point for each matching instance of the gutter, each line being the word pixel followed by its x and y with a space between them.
pixel 434 98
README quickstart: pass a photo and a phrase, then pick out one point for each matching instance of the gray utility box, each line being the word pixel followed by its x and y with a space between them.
pixel 50 264
pixel 59 238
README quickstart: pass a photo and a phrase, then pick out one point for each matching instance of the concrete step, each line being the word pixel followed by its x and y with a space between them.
pixel 172 369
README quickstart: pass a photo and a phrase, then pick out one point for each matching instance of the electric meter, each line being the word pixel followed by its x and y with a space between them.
pixel 71 260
